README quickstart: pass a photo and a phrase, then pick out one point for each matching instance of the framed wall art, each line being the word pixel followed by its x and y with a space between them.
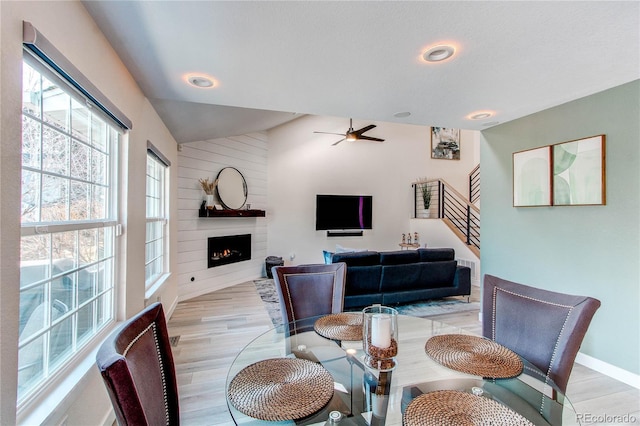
pixel 445 143
pixel 532 177
pixel 579 172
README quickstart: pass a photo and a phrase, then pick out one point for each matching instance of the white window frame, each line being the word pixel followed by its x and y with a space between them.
pixel 157 195
pixel 43 57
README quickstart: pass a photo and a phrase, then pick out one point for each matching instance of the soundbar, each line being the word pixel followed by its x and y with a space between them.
pixel 344 233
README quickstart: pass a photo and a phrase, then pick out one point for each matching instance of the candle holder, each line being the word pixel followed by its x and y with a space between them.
pixel 380 337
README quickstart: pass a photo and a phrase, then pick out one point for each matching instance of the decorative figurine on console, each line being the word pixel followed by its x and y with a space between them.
pixel 409 238
pixel 403 239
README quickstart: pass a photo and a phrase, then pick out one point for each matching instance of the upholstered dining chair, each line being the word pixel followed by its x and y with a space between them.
pixel 544 327
pixel 308 291
pixel 137 366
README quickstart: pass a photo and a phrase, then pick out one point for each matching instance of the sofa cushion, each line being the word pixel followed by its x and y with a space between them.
pixel 363 280
pixel 423 275
pixel 328 257
pixel 400 257
pixel 358 258
pixel 436 254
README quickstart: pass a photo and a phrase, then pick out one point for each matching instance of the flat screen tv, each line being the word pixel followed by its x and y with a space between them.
pixel 343 212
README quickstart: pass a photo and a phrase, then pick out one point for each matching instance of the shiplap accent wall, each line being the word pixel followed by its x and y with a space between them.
pixel 248 154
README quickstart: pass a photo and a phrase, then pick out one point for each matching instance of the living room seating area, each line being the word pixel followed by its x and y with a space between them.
pixel 398 277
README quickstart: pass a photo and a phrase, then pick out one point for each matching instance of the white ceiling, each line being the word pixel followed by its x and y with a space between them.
pixel 273 61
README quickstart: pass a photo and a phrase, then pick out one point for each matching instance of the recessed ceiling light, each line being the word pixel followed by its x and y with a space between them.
pixel 402 114
pixel 438 53
pixel 200 81
pixel 480 116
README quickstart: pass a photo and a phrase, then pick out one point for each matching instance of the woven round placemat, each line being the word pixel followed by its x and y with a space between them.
pixel 281 389
pixel 456 408
pixel 474 355
pixel 343 326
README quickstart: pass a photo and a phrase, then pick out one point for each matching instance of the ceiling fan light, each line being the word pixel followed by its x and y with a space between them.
pixel 351 137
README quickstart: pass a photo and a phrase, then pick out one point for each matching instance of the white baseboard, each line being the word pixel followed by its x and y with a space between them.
pixel 109 419
pixel 609 370
pixel 172 308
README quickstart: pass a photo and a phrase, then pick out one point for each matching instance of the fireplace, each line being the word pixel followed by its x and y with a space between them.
pixel 228 249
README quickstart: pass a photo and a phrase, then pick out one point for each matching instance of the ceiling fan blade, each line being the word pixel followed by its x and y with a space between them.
pixel 365 129
pixel 330 133
pixel 369 138
pixel 334 144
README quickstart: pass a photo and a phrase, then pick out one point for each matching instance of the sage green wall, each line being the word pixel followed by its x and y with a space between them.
pixel 587 250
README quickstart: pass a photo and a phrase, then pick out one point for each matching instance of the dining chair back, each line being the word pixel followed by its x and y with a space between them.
pixel 308 291
pixel 137 366
pixel 544 327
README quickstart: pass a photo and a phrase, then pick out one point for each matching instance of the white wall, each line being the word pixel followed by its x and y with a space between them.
pixel 68 26
pixel 303 164
pixel 248 154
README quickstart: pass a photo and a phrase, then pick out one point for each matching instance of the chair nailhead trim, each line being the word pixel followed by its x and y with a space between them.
pixel 286 276
pixel 152 326
pixel 555 347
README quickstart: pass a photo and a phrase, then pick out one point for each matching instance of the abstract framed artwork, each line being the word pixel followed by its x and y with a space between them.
pixel 445 143
pixel 532 177
pixel 579 172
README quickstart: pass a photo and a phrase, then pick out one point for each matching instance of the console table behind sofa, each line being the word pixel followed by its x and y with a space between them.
pixel 397 277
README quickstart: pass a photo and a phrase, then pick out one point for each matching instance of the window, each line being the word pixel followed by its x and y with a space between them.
pixel 67 252
pixel 155 246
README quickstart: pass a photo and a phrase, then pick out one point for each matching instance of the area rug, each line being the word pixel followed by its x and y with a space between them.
pixel 428 308
pixel 267 291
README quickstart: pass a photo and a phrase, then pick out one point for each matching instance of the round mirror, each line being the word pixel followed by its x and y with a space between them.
pixel 232 188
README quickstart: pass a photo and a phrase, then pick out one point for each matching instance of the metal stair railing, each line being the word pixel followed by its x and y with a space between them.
pixel 463 215
pixel 474 184
pixel 451 206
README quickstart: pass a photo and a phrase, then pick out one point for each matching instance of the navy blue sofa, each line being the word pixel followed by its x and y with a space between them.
pixel 398 277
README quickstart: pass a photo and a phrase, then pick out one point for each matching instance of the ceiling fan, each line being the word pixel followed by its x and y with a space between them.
pixel 354 135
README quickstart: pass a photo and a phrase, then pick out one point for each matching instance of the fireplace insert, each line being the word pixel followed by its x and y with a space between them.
pixel 228 249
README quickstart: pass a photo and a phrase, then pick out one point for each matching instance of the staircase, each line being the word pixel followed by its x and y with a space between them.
pixel 460 214
pixel 474 185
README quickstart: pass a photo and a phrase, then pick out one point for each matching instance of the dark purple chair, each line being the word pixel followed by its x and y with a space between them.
pixel 544 327
pixel 308 291
pixel 136 364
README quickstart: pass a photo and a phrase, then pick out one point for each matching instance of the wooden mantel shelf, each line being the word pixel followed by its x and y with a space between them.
pixel 231 213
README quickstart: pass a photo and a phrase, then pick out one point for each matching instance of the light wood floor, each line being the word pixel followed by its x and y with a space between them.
pixel 213 328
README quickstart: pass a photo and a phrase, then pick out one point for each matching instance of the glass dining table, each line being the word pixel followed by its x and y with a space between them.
pixel 365 396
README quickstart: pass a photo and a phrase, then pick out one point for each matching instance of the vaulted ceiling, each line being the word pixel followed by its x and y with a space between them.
pixel 272 61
